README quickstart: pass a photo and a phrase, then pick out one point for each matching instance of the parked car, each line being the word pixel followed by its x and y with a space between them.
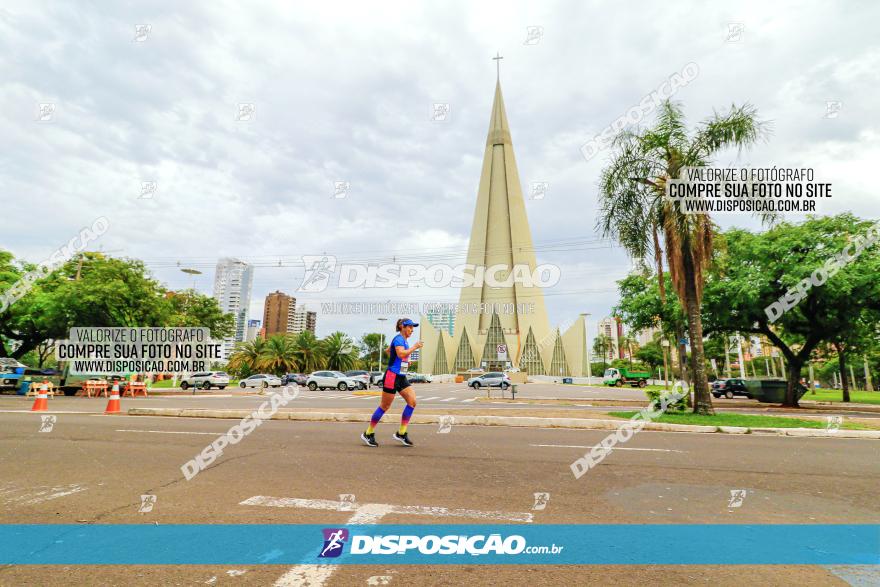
pixel 296 378
pixel 362 376
pixel 331 379
pixel 376 377
pixel 205 380
pixel 729 388
pixel 418 378
pixel 261 380
pixel 491 379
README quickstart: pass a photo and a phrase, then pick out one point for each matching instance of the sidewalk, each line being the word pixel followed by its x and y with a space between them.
pixel 468 418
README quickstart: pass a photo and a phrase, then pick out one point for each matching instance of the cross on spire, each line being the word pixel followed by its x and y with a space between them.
pixel 497 59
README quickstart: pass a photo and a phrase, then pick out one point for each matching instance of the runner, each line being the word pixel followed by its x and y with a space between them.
pixel 395 381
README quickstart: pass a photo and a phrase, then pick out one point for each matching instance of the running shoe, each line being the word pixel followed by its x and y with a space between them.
pixel 369 439
pixel 403 439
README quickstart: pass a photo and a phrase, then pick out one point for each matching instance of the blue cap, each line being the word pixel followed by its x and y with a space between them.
pixel 409 322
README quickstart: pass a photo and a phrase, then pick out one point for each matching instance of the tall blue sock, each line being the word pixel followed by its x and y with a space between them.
pixel 404 419
pixel 377 415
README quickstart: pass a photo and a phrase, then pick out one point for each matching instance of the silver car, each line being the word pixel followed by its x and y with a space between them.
pixel 263 380
pixel 493 379
pixel 331 379
pixel 205 380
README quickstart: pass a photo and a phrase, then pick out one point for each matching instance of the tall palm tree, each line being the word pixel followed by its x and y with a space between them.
pixel 339 352
pixel 279 355
pixel 627 342
pixel 634 211
pixel 246 356
pixel 603 344
pixel 307 352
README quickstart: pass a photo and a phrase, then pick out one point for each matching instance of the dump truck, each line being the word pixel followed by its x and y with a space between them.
pixel 621 377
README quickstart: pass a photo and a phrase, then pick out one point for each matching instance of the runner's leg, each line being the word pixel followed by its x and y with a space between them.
pixel 408 394
pixel 384 404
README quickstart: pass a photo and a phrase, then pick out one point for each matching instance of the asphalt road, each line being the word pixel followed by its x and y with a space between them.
pixel 541 397
pixel 94 468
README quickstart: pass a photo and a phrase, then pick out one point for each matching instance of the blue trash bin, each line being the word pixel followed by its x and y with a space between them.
pixel 23 387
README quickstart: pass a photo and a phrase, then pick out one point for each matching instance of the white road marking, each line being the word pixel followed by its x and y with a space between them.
pixel 173 432
pixel 465 401
pixel 190 396
pixel 46 494
pixel 448 399
pixel 367 513
pixel 326 504
pixel 427 399
pixel 615 448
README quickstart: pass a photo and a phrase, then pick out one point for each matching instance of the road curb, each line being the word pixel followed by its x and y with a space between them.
pixel 512 421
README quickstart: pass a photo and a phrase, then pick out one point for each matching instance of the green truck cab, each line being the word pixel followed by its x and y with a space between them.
pixel 619 377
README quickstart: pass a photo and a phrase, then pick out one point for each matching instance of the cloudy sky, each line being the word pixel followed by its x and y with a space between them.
pixel 344 92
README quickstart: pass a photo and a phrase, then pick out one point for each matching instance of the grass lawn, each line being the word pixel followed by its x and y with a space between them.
pixel 746 420
pixel 836 395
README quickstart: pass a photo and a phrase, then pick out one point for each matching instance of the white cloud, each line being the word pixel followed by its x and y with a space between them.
pixel 343 92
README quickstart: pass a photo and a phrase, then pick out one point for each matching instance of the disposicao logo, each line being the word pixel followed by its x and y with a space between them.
pixel 334 540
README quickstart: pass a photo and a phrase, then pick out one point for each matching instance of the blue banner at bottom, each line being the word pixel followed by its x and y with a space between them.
pixel 272 544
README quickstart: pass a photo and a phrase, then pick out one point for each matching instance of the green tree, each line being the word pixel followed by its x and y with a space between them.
pixel 339 352
pixel 100 291
pixel 278 355
pixel 371 345
pixel 627 343
pixel 603 344
pixel 633 209
pixel 94 290
pixel 651 354
pixel 246 356
pixel 190 308
pixel 756 270
pixel 308 352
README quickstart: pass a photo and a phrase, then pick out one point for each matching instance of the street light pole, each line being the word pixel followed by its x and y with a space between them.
pixel 381 343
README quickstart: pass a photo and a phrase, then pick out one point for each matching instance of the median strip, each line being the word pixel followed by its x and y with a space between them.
pixel 511 421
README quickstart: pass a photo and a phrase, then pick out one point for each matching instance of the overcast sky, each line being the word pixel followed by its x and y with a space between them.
pixel 345 92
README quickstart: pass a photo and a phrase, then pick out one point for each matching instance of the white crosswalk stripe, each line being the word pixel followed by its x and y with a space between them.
pixel 465 401
pixel 448 399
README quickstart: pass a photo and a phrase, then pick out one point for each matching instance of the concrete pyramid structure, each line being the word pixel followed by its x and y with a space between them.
pixel 512 316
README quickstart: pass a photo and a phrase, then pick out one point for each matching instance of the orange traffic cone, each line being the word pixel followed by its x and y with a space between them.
pixel 113 406
pixel 41 404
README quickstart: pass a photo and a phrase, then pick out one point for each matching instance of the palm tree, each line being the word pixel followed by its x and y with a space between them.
pixel 245 357
pixel 627 342
pixel 339 352
pixel 279 354
pixel 634 211
pixel 307 352
pixel 603 344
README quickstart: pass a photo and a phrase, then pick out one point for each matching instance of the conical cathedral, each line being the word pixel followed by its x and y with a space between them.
pixel 512 317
